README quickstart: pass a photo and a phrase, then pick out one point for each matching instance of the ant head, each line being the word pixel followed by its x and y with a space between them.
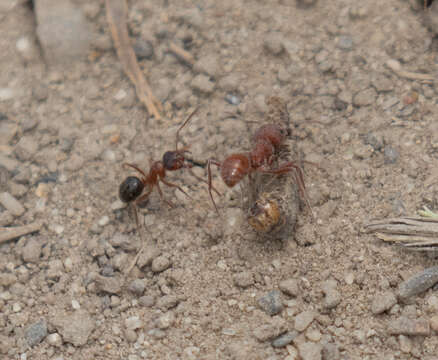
pixel 130 189
pixel 173 160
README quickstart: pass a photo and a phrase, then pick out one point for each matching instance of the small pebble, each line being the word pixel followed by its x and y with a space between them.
pixel 75 328
pixel 36 332
pixel 332 295
pixel 405 326
pixel 110 285
pixel 310 351
pixel 345 42
pixel 271 303
pixel 11 204
pixel 165 321
pixel 434 323
pixel 290 287
pixel 137 287
pixel 383 302
pixel 209 65
pixel 232 99
pixel 390 155
pixel 54 339
pixel 147 301
pixel 418 283
pixel 130 335
pixel 303 320
pixel 202 84
pixel 244 279
pixel 167 302
pixel 270 330
pixel 31 252
pixel 284 339
pixel 143 49
pixel 75 304
pixel 365 97
pixel 306 3
pixel 103 221
pixel 133 323
pixel 273 43
pixel 160 264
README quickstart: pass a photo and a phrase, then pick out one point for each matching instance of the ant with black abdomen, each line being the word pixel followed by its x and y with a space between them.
pixel 267 143
pixel 131 189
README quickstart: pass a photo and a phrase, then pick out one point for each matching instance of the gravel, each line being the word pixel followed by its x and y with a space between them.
pixel 11 204
pixel 36 332
pixel 290 287
pixel 303 320
pixel 418 283
pixel 243 279
pixel 271 303
pixel 383 302
pixel 406 326
pixel 74 328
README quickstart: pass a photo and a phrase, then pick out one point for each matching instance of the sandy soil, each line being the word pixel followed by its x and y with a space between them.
pixel 195 293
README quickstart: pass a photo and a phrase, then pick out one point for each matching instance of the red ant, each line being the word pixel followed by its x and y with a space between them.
pixel 132 187
pixel 268 141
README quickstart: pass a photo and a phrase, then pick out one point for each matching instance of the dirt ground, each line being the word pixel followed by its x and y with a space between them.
pixel 206 287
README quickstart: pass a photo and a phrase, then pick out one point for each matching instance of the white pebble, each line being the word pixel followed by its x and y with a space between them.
pixel 54 339
pixel 75 304
pixel 104 220
pixel 6 94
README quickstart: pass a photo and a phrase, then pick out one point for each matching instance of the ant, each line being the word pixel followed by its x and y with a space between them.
pixel 268 140
pixel 132 187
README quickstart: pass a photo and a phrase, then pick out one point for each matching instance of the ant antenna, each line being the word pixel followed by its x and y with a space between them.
pixel 184 124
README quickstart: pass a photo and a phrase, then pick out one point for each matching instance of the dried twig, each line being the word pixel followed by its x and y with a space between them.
pixel 182 54
pixel 116 12
pixel 395 66
pixel 9 233
pixel 416 233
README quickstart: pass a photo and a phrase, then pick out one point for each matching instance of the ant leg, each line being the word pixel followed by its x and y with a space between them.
pixel 184 124
pixel 144 196
pixel 162 196
pixel 189 168
pixel 299 177
pixel 210 186
pixel 136 168
pixel 175 186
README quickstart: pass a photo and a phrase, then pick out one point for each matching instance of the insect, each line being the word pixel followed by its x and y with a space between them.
pixel 135 190
pixel 265 214
pixel 268 142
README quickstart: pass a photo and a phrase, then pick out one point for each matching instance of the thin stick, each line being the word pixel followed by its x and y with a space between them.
pixel 9 233
pixel 395 66
pixel 116 12
pixel 182 54
pixel 184 124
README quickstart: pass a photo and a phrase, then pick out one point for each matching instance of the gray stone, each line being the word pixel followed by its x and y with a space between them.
pixel 332 295
pixel 202 84
pixel 11 204
pixel 290 287
pixel 303 320
pixel 147 300
pixel 418 283
pixel 133 323
pixel 405 326
pixel 310 351
pixel 284 339
pixel 209 65
pixel 167 302
pixel 244 279
pixel 345 42
pixel 365 97
pixel 143 49
pixel 390 155
pixel 31 252
pixel 137 287
pixel 383 302
pixel 75 328
pixel 110 285
pixel 330 352
pixel 273 43
pixel 271 303
pixel 271 329
pixel 63 31
pixel 161 263
pixel 36 332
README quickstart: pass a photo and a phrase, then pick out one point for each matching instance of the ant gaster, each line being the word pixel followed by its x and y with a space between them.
pixel 267 143
pixel 131 189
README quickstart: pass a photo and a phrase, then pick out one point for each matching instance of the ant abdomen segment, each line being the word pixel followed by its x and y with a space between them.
pixel 234 168
pixel 130 189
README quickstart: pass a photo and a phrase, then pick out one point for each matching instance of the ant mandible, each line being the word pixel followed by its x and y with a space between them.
pixel 267 143
pixel 132 187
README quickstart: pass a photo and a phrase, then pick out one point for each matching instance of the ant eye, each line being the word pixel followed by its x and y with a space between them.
pixel 130 189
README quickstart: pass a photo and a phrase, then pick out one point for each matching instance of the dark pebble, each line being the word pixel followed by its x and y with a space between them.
pixel 271 303
pixel 418 283
pixel 143 49
pixel 284 339
pixel 35 333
